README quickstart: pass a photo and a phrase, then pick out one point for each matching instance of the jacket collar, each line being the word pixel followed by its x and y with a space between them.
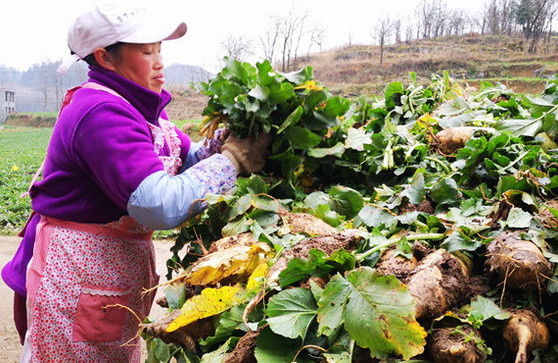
pixel 150 104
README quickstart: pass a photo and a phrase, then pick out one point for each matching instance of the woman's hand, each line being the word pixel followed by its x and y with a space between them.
pixel 248 155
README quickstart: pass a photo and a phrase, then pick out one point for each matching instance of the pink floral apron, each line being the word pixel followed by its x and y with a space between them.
pixel 86 282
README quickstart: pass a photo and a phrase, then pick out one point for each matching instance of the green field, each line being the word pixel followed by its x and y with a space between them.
pixel 22 150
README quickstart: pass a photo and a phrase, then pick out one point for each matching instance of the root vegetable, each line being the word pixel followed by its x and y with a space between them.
pixel 186 336
pixel 244 349
pixel 225 243
pixel 397 265
pixel 525 332
pixel 451 345
pixel 305 223
pixel 439 283
pixel 327 243
pixel 518 263
pixel 452 139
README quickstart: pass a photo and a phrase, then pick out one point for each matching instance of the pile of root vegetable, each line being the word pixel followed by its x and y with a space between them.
pixel 418 226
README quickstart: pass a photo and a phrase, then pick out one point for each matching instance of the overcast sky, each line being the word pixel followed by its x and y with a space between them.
pixel 33 31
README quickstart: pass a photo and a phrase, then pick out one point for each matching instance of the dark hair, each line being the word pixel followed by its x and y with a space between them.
pixel 113 49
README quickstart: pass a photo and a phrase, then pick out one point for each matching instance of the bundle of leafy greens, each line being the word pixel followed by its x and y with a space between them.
pixel 323 256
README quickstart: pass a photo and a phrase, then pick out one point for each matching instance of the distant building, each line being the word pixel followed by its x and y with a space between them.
pixel 7 104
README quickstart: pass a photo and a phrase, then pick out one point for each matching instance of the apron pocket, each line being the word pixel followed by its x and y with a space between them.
pixel 95 320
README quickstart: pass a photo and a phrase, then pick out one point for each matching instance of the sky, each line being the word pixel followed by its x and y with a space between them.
pixel 34 31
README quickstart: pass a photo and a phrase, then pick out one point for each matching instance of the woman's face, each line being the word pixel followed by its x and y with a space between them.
pixel 142 64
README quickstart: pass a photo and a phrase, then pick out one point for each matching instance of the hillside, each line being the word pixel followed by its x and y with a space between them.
pixel 470 58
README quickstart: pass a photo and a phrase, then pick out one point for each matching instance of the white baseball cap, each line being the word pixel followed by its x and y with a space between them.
pixel 110 23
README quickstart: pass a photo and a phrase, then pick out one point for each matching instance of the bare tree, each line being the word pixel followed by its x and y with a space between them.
pixel 269 41
pixel 440 13
pixel 237 47
pixel 458 21
pixel 317 36
pixel 291 26
pixel 431 16
pixel 533 17
pixel 381 34
pixel 409 32
pixel 397 30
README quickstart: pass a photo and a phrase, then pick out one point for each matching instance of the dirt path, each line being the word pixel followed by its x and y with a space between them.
pixel 9 339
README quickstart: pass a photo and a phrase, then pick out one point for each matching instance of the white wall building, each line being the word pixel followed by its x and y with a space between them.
pixel 7 104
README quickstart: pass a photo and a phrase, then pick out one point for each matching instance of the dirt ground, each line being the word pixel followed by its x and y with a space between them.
pixel 9 339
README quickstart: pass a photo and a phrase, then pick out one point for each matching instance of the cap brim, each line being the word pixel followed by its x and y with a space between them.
pixel 155 33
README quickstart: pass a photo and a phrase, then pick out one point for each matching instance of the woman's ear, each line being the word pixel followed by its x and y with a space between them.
pixel 104 59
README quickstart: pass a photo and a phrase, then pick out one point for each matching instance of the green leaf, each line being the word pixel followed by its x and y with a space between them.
pixel 291 312
pixel 237 226
pixel 241 206
pixel 345 201
pixel 259 93
pixel 264 203
pixel 445 191
pixel 356 139
pixel 274 348
pixel 341 351
pixel 292 119
pixel 483 309
pixel 252 185
pixel 175 295
pixel 375 217
pixel 319 153
pixel 392 94
pixel 161 350
pixel 282 93
pixel 378 313
pixel 229 321
pixel 218 356
pixel 521 127
pixel 300 76
pixel 415 192
pixel 315 199
pixel 317 264
pixel 518 218
pixel 457 241
pixel 302 138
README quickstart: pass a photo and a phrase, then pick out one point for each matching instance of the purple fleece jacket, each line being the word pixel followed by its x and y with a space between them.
pixel 100 151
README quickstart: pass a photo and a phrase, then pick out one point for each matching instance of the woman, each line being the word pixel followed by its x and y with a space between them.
pixel 115 170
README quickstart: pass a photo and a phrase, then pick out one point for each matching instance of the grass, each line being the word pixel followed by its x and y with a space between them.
pixel 22 150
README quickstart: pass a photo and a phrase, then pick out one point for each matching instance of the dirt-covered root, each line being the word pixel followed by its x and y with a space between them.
pixel 515 262
pixel 393 263
pixel 186 336
pixel 426 206
pixel 238 240
pixel 304 223
pixel 449 140
pixel 546 217
pixel 456 345
pixel 440 282
pixel 243 352
pixel 525 332
pixel 328 243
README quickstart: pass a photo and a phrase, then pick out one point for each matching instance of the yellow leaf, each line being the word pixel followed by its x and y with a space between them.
pixel 210 302
pixel 256 279
pixel 217 266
